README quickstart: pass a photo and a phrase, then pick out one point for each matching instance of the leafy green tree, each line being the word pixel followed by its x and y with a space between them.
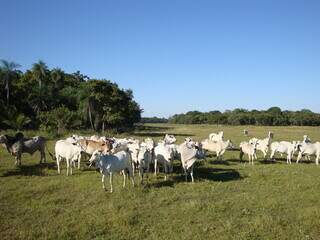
pixel 14 119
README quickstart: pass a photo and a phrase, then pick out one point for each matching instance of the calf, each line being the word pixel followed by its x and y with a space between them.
pixel 249 149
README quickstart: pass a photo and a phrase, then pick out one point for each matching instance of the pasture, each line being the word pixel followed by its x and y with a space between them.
pixel 228 200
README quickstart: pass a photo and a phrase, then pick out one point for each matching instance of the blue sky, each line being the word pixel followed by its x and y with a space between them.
pixel 177 56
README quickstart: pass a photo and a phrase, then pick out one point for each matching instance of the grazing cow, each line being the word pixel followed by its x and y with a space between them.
pixel 262 145
pixel 164 155
pixel 216 137
pixel 18 144
pixel 109 164
pixel 308 149
pixel 68 151
pixel 218 147
pixel 189 153
pixel 283 147
pixel 249 149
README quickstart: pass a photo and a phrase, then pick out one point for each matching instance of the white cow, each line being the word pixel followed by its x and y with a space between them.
pixel 134 151
pixel 163 154
pixel 144 160
pixel 216 136
pixel 218 147
pixel 283 147
pixel 169 139
pixel 149 143
pixel 69 152
pixel 189 152
pixel 109 164
pixel 308 149
pixel 249 149
pixel 262 145
pixel 306 139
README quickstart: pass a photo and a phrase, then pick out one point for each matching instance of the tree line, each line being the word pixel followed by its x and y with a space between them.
pixel 274 116
pixel 53 100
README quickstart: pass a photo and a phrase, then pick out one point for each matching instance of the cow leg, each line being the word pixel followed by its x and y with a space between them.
pixel 124 177
pixel 133 168
pixel 191 174
pixel 111 179
pixel 155 167
pixel 141 171
pixel 299 157
pixel 131 176
pixel 43 156
pixel 79 160
pixel 272 155
pixel 317 159
pixel 165 171
pixel 58 163
pixel 18 159
pixel 221 154
pixel 70 165
pixel 102 180
pixel 185 174
pixel 67 160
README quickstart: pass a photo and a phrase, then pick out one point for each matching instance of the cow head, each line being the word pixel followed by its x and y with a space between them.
pixel 169 139
pixel 95 156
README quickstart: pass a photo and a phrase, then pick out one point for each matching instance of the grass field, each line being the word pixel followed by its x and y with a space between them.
pixel 229 199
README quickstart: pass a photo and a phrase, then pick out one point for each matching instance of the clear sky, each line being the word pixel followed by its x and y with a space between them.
pixel 177 56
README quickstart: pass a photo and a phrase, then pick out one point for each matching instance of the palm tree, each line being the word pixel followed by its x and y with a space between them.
pixel 16 120
pixel 9 68
pixel 40 70
pixel 57 76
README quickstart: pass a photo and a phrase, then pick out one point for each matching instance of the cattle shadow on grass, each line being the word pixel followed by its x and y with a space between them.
pixel 30 170
pixel 200 174
pixel 217 174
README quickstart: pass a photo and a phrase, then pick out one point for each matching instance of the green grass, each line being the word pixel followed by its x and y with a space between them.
pixel 229 200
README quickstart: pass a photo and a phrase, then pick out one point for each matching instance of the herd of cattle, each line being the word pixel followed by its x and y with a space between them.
pixel 127 155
